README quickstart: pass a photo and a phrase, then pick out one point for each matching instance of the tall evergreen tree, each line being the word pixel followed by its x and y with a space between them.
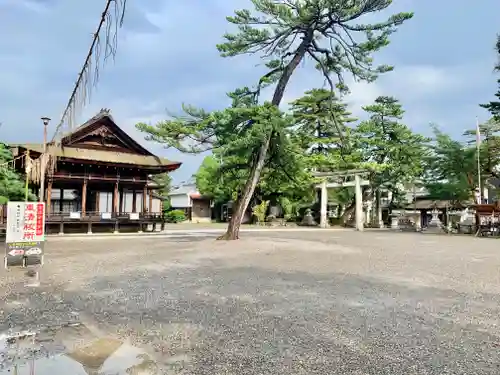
pixel 450 168
pixel 283 34
pixel 321 128
pixel 389 147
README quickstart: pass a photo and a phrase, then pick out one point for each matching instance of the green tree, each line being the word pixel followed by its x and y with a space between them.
pixel 211 181
pixel 489 147
pixel 285 175
pixel 164 182
pixel 234 136
pixel 387 147
pixel 450 168
pixel 12 186
pixel 284 34
pixel 321 129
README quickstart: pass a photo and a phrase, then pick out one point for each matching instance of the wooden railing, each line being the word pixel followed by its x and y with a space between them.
pixel 97 177
pixel 96 216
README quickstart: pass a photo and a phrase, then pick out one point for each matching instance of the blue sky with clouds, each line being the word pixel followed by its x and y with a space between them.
pixel 444 60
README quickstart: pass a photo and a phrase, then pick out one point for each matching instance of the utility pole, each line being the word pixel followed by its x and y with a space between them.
pixel 43 160
pixel 478 151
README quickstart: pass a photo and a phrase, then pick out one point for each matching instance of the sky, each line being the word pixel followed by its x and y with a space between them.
pixel 443 58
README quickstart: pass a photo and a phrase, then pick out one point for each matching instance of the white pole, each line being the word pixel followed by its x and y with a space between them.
pixel 324 206
pixel 359 203
pixel 478 143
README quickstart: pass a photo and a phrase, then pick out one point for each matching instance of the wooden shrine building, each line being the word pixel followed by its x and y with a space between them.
pixel 98 178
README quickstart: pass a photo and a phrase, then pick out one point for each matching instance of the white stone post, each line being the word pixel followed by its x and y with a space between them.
pixel 324 206
pixel 379 209
pixel 359 203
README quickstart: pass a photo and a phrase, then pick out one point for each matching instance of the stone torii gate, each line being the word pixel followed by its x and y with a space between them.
pixel 339 179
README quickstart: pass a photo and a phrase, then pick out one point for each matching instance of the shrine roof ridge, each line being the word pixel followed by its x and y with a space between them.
pixel 100 155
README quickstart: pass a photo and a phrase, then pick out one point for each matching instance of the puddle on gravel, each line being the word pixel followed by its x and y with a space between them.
pixel 74 350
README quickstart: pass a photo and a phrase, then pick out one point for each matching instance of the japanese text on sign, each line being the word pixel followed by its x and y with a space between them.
pixel 25 222
pixel 29 229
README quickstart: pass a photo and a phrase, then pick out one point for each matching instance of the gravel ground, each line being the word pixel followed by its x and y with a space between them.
pixel 332 302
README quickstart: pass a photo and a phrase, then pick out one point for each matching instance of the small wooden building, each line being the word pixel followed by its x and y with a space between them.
pixel 198 208
pixel 425 205
pixel 97 176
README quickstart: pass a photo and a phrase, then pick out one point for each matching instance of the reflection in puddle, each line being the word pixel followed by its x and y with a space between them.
pixel 74 350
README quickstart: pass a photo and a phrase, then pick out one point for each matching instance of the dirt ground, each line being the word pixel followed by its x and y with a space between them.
pixel 318 302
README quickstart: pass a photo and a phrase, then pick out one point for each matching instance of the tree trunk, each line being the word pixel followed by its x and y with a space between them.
pixel 367 195
pixel 233 228
pixel 346 215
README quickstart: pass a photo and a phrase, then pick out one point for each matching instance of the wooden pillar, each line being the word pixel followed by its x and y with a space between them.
pixel 61 199
pixel 115 199
pixel 134 201
pixel 98 201
pixel 150 201
pixel 121 203
pixel 144 198
pixel 49 196
pixel 84 198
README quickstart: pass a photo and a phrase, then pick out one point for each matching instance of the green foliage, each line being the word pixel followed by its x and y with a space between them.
pixel 165 182
pixel 329 31
pixel 290 209
pixel 237 136
pixel 260 211
pixel 166 206
pixel 254 141
pixel 321 129
pixel 341 196
pixel 12 186
pixel 489 151
pixel 211 182
pixel 494 106
pixel 388 147
pixel 458 191
pixel 175 216
pixel 451 171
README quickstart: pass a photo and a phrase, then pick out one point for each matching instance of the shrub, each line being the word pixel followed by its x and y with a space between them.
pixel 175 216
pixel 260 210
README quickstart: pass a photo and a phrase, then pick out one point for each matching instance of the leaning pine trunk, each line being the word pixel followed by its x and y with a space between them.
pixel 242 202
pixel 233 228
pixel 346 216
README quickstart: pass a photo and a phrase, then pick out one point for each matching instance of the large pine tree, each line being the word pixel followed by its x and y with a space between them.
pixel 330 33
pixel 388 145
pixel 321 127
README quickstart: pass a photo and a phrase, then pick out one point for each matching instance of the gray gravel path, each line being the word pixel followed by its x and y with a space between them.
pixel 289 303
